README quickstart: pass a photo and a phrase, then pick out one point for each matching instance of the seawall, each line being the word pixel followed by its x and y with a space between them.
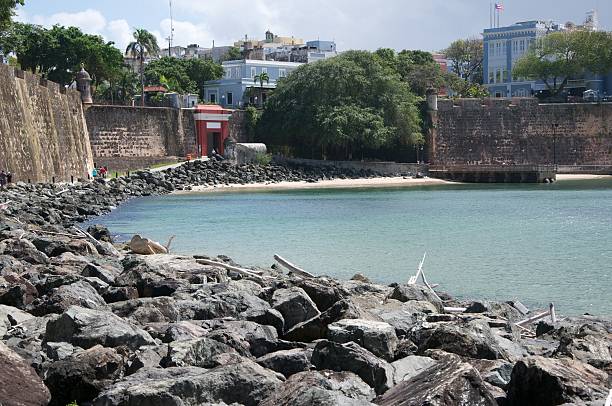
pixel 521 131
pixel 43 134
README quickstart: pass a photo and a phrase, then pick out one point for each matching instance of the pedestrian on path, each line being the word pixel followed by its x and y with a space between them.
pixel 2 178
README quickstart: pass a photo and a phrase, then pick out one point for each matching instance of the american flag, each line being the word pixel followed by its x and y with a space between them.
pixel 499 6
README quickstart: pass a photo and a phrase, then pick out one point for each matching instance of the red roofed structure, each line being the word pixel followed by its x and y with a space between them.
pixel 212 129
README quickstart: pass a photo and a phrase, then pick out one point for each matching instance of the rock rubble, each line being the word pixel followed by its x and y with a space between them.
pixel 83 320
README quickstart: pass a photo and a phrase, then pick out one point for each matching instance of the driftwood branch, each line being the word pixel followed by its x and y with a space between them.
pixel 293 268
pixel 242 271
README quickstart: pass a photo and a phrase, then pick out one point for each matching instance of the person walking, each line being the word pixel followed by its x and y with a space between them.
pixel 94 173
pixel 9 178
pixel 2 178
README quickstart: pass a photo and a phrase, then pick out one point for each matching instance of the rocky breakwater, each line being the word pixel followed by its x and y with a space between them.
pixel 84 320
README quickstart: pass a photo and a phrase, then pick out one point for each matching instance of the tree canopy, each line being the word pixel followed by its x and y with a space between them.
pixel 58 53
pixel 182 75
pixel 351 104
pixel 466 58
pixel 561 56
pixel 7 10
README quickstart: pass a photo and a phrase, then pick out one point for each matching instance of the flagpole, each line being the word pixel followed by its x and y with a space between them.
pixel 490 14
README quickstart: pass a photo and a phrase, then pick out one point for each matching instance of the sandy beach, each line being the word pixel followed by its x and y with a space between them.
pixel 582 177
pixel 323 184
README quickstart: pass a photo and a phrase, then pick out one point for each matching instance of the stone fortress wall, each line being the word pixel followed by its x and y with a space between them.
pixel 520 131
pixel 43 134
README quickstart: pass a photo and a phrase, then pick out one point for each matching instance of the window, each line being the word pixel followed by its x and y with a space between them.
pixel 522 45
pixel 514 47
pixel 491 76
pixel 497 53
pixel 282 73
pixel 264 70
pixel 228 73
pixel 253 73
pixel 491 49
pixel 230 98
pixel 498 76
pixel 237 73
pixel 505 75
pixel 212 97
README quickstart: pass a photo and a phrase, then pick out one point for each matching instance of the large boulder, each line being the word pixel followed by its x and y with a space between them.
pixel 258 340
pixel 200 352
pixel 243 382
pixel 448 382
pixel 295 306
pixel 545 381
pixel 322 388
pixel 409 367
pixel 323 292
pixel 287 362
pixel 75 294
pixel 16 291
pixel 10 316
pixel 87 328
pixel 81 376
pixel 353 358
pixel 23 250
pixel 377 337
pixel 472 339
pixel 408 292
pixel 19 383
pixel 403 316
pixel 148 310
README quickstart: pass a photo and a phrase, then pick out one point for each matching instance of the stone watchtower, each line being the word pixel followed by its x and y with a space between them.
pixel 84 85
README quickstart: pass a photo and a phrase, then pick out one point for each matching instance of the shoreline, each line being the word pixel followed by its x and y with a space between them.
pixel 581 176
pixel 360 183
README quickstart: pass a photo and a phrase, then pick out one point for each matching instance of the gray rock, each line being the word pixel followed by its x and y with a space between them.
pixel 406 292
pixel 258 340
pixel 11 316
pixel 244 383
pixel 87 328
pixel 147 356
pixel 24 250
pixel 496 373
pixel 287 362
pixel 60 299
pixel 545 381
pixel 81 376
pixel 295 306
pixel 456 383
pixel 20 384
pixel 323 292
pixel 183 330
pixel 148 310
pixel 16 291
pixel 322 388
pixel 377 337
pixel 353 358
pixel 59 351
pixel 470 339
pixel 409 367
pixel 199 352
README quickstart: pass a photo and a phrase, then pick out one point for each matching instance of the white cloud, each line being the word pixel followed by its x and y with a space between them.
pixel 186 33
pixel 120 32
pixel 89 21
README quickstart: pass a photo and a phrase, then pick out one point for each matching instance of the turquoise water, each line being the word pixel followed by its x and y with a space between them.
pixel 536 243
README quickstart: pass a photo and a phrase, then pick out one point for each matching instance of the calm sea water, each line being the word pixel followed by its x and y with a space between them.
pixel 536 243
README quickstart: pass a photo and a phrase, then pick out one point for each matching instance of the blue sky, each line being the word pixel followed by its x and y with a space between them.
pixel 354 24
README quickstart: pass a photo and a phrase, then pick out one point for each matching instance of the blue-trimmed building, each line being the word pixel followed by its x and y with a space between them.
pixel 238 88
pixel 503 46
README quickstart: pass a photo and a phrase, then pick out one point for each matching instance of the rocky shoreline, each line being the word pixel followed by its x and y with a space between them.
pixel 86 321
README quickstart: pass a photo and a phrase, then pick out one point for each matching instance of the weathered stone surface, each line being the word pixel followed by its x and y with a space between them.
pixel 496 373
pixel 377 337
pixel 199 352
pixel 295 306
pixel 19 383
pixel 406 292
pixel 471 339
pixel 323 292
pixel 322 388
pixel 148 310
pixel 183 330
pixel 81 376
pixel 456 383
pixel 147 356
pixel 75 294
pixel 257 339
pixel 353 358
pixel 24 250
pixel 287 362
pixel 409 367
pixel 10 316
pixel 87 328
pixel 16 291
pixel 545 381
pixel 244 383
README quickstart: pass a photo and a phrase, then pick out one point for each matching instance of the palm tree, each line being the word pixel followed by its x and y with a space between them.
pixel 145 43
pixel 261 78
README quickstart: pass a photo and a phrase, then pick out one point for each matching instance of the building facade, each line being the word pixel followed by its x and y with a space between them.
pixel 238 88
pixel 503 46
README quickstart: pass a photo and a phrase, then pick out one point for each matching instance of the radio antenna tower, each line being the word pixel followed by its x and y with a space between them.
pixel 171 36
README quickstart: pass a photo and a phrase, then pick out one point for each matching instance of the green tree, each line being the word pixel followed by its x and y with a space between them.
pixel 7 10
pixel 144 44
pixel 232 54
pixel 187 76
pixel 561 56
pixel 342 107
pixel 58 53
pixel 466 57
pixel 261 78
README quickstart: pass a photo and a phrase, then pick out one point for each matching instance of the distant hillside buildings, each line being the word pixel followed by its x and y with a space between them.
pixel 503 46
